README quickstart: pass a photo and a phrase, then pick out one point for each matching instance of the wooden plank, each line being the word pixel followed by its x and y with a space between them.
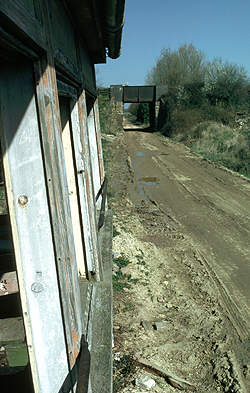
pixel 99 140
pixel 16 14
pixel 67 131
pixel 47 98
pixel 31 228
pixel 94 154
pixel 100 327
pixel 89 184
pixel 82 187
pixel 100 338
pixel 59 206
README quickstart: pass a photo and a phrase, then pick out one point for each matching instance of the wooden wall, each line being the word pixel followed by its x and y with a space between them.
pixel 53 170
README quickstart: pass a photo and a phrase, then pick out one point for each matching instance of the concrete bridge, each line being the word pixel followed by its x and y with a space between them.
pixel 150 94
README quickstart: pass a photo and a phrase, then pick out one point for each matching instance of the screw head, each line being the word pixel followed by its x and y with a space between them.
pixel 37 287
pixel 23 200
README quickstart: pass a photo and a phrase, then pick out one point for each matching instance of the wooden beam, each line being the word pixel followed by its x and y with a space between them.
pixel 15 17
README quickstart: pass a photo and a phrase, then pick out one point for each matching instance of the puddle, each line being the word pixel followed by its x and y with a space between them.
pixel 149 181
pixel 139 154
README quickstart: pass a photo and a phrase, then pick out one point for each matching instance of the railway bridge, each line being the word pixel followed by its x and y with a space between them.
pixel 150 94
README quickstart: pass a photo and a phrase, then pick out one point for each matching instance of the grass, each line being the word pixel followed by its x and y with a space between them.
pixel 221 144
pixel 121 280
pixel 124 370
pixel 115 232
pixel 122 261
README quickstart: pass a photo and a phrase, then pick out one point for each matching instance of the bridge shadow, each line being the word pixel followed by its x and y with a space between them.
pixel 146 129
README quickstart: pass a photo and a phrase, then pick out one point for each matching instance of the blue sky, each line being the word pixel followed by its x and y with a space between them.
pixel 220 28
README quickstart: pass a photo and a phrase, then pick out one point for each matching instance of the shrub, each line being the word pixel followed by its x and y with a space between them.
pixel 222 144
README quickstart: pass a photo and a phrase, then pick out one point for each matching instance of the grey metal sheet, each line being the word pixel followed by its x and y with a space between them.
pixel 146 93
pixel 130 94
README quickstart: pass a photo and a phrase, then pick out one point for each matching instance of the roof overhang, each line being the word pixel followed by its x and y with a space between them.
pixel 100 24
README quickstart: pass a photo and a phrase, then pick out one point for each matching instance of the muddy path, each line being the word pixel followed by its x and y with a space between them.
pixel 183 224
pixel 211 205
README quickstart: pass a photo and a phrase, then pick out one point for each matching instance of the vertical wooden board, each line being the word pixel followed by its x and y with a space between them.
pixel 71 178
pixel 87 69
pixel 29 4
pixel 99 140
pixel 59 206
pixel 63 35
pixel 31 228
pixel 80 168
pixel 94 154
pixel 89 182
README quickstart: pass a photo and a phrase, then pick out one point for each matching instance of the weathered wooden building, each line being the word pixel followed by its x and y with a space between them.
pixel 52 236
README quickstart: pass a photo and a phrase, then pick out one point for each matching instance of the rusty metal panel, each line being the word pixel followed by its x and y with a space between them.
pixel 146 93
pixel 130 94
pixel 31 228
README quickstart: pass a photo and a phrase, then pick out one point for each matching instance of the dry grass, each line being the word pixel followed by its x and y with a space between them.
pixel 227 146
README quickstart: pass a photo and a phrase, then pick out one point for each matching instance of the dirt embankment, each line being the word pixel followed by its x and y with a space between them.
pixel 181 249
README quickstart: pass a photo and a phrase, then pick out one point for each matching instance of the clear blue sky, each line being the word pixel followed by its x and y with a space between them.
pixel 220 28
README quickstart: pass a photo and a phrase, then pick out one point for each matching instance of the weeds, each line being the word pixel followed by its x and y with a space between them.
pixel 221 144
pixel 121 280
pixel 115 232
pixel 124 370
pixel 122 261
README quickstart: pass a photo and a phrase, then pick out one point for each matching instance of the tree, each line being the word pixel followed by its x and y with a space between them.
pixel 226 83
pixel 186 65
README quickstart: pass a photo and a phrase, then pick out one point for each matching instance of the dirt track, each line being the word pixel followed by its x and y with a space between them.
pixel 212 206
pixel 190 221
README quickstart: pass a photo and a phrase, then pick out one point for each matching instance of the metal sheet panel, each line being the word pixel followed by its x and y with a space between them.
pixel 130 94
pixel 146 93
pixel 31 228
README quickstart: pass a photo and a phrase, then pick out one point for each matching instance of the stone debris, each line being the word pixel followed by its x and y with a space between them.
pixel 145 382
pixel 160 325
pixel 146 325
